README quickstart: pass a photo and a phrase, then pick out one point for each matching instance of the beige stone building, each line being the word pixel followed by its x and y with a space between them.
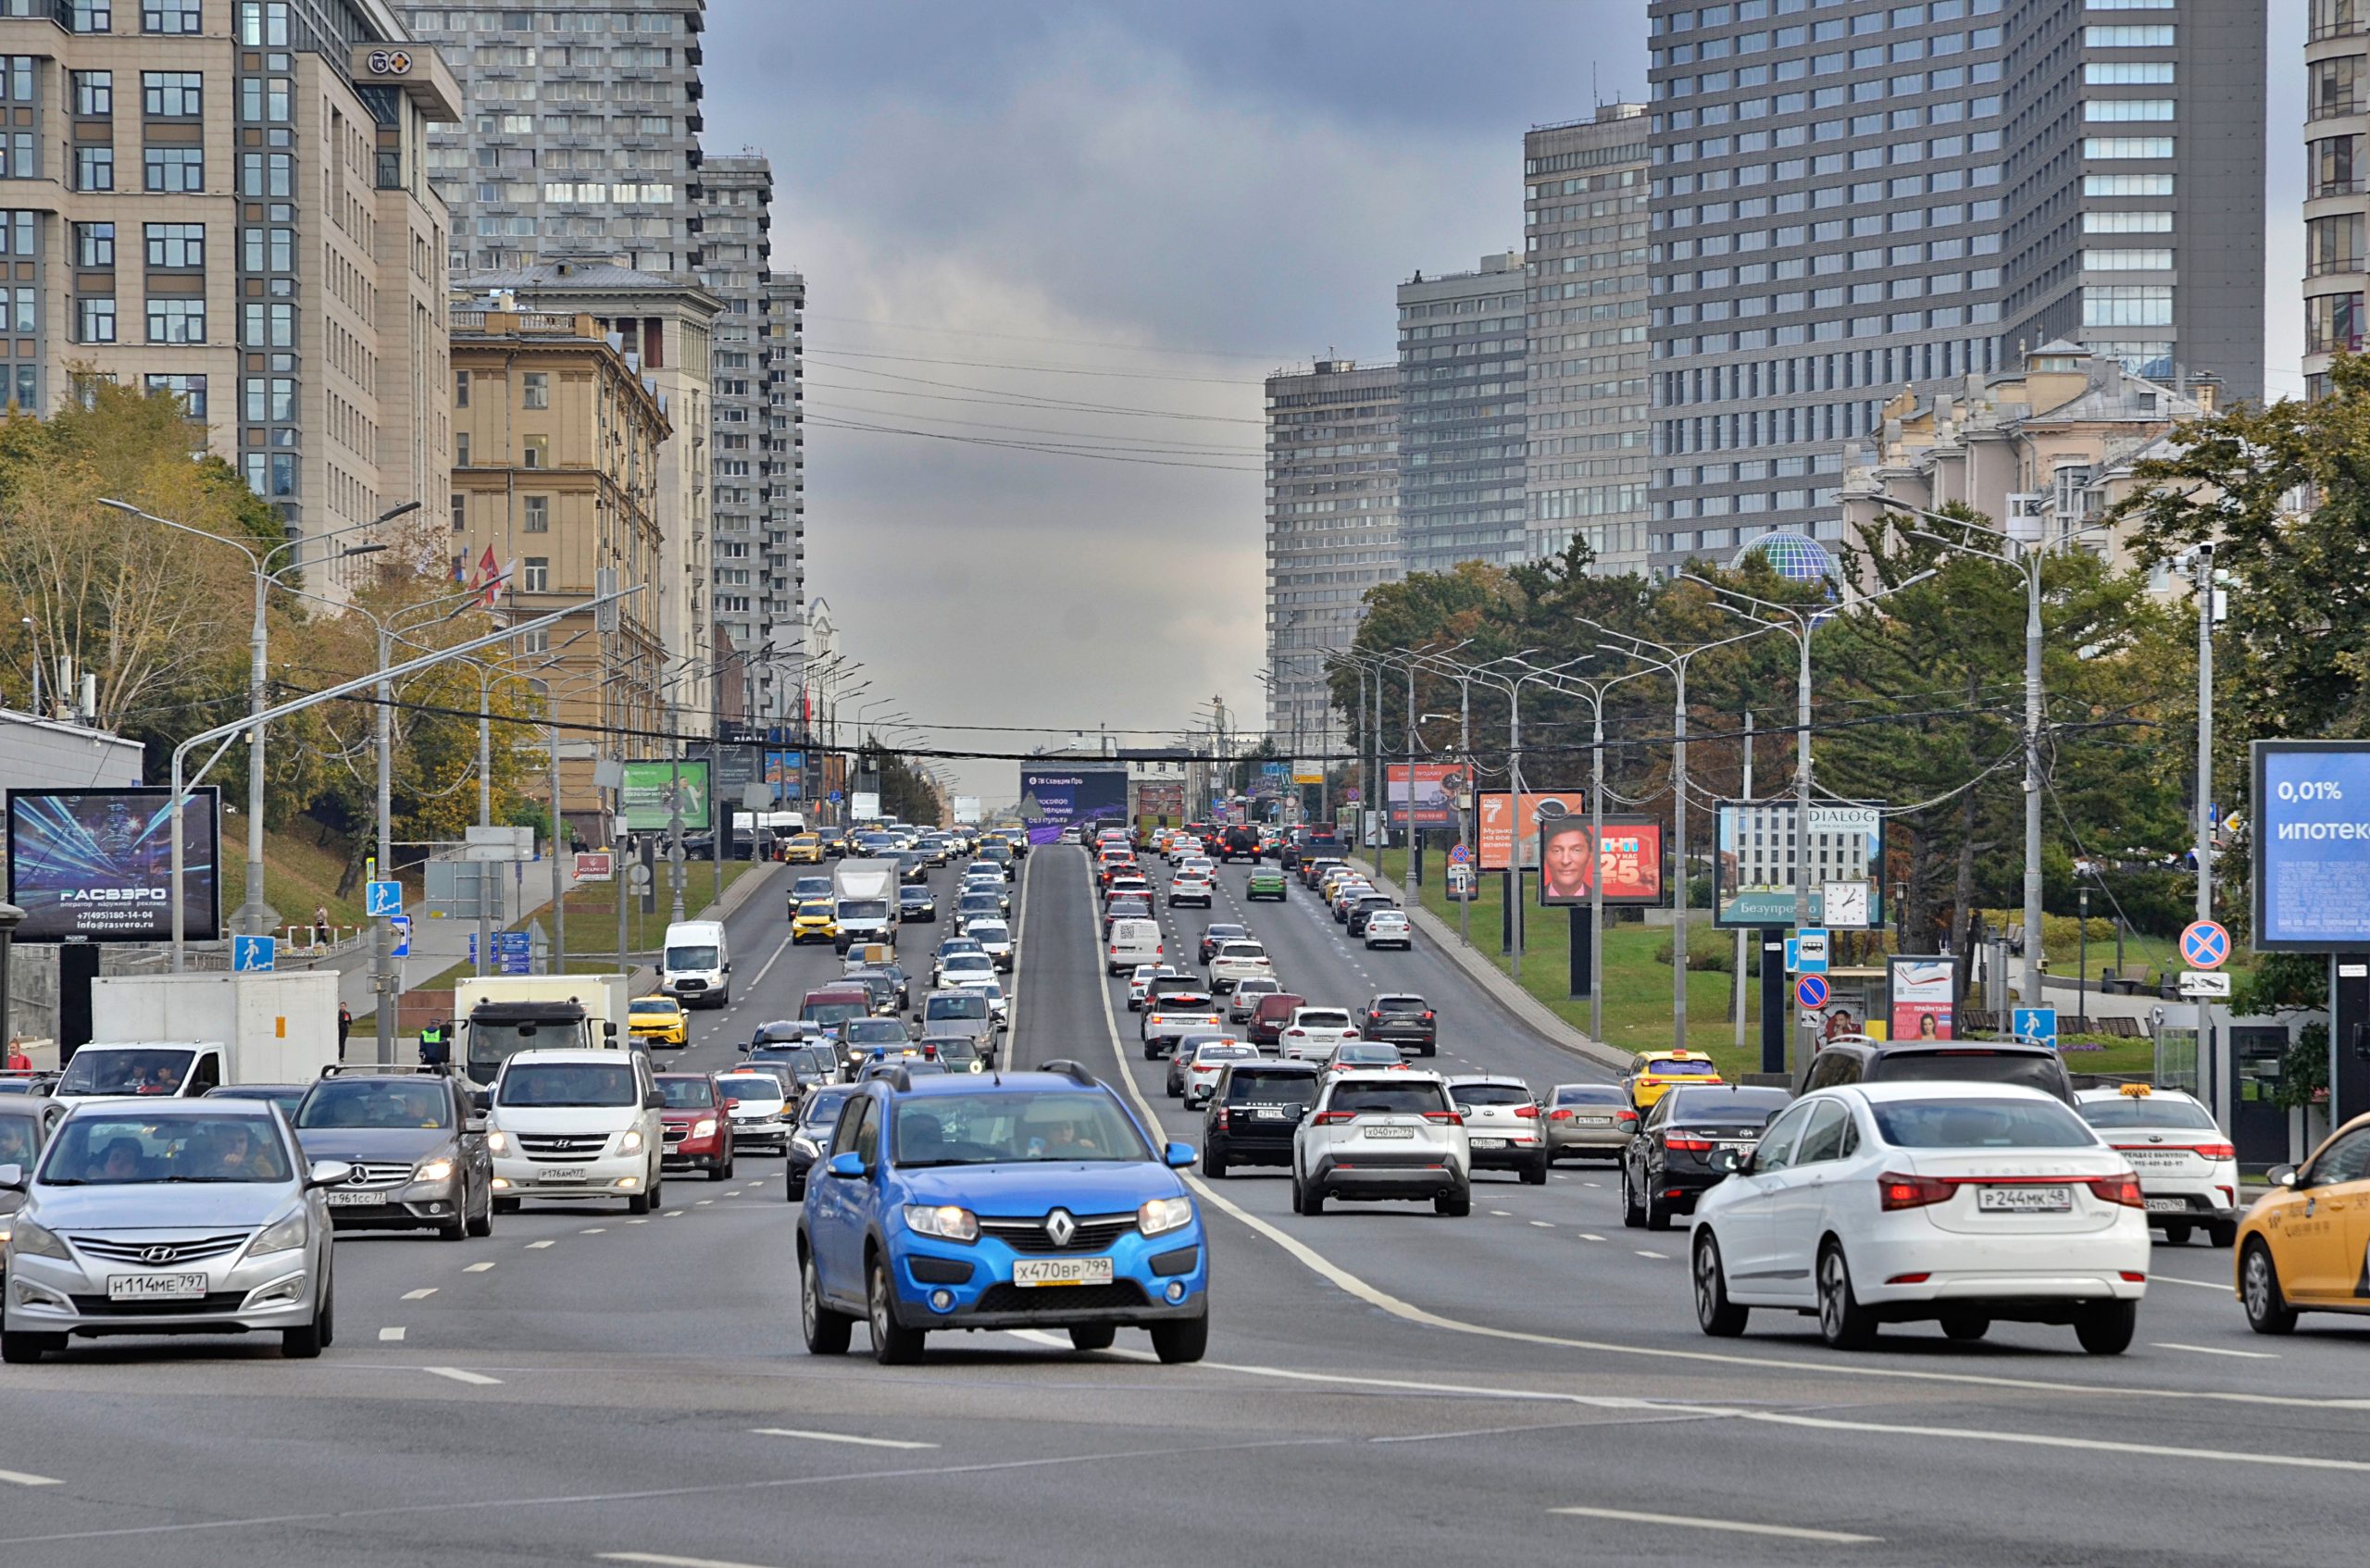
pixel 229 200
pixel 555 482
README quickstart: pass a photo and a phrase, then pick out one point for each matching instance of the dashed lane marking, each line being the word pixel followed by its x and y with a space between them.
pixel 1543 1225
pixel 420 1295
pixel 479 1268
pixel 537 1246
pixel 2214 1350
pixel 1734 1527
pixel 25 1478
pixel 459 1375
pixel 390 1336
pixel 838 1437
pixel 664 1560
pixel 1664 1256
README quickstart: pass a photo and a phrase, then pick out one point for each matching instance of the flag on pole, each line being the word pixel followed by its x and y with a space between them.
pixel 489 577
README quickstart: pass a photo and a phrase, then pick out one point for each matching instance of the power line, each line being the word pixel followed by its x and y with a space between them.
pixel 1033 397
pixel 1038 369
pixel 1027 404
pixel 1036 337
pixel 1047 449
pixel 1148 444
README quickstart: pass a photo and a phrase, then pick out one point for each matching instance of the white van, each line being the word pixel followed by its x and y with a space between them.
pixel 696 967
pixel 575 1125
pixel 1132 943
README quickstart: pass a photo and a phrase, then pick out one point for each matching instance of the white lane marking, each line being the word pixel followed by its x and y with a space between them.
pixel 1061 1342
pixel 1543 1225
pixel 1592 1184
pixel 390 1336
pixel 594 1230
pixel 479 1268
pixel 1738 1527
pixel 672 1214
pixel 766 968
pixel 2213 1350
pixel 474 1379
pixel 538 1245
pixel 419 1295
pixel 637 1222
pixel 25 1478
pixel 1590 1236
pixel 664 1560
pixel 1643 1253
pixel 2193 1284
pixel 1500 1214
pixel 701 1203
pixel 838 1437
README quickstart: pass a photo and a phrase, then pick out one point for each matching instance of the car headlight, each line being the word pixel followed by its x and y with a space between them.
pixel 35 1242
pixel 944 1221
pixel 282 1235
pixel 497 1142
pixel 1164 1215
pixel 434 1170
pixel 630 1141
pixel 703 1128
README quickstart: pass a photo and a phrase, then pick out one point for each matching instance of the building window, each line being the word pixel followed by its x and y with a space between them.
pixel 27 318
pixel 269 326
pixel 174 320
pixel 176 244
pixel 2333 322
pixel 26 394
pixel 264 98
pixel 537 452
pixel 536 641
pixel 460 511
pixel 2127 146
pixel 94 245
pixel 460 388
pixel 93 15
pixel 94 91
pixel 266 174
pixel 190 389
pixel 535 390
pixel 2109 110
pixel 2333 167
pixel 2333 87
pixel 263 24
pixel 93 169
pixel 269 250
pixel 169 16
pixel 271 401
pixel 2127 304
pixel 538 510
pixel 536 578
pixel 2333 244
pixel 460 449
pixel 95 319
pixel 172 94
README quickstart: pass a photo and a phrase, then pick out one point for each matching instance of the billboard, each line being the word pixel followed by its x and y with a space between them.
pixel 1436 784
pixel 97 865
pixel 1496 829
pixel 1753 864
pixel 1066 796
pixel 1631 860
pixel 786 771
pixel 1162 804
pixel 2311 837
pixel 1917 997
pixel 652 787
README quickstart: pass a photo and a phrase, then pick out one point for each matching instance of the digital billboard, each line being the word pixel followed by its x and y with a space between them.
pixel 97 865
pixel 786 771
pixel 1066 796
pixel 1495 827
pixel 1631 860
pixel 1436 787
pixel 1918 993
pixel 2311 835
pixel 1753 864
pixel 650 787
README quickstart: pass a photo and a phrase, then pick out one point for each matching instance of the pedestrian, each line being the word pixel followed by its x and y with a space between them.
pixel 435 1044
pixel 18 1061
pixel 344 1028
pixel 321 924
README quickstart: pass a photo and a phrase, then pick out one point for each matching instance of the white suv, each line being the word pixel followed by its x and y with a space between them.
pixel 1238 961
pixel 575 1125
pixel 1314 1032
pixel 1388 1135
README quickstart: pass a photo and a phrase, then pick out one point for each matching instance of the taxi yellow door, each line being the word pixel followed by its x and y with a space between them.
pixel 2325 1225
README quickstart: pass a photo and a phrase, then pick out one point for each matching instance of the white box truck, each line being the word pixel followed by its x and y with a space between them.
pixel 495 1015
pixel 182 1035
pixel 864 896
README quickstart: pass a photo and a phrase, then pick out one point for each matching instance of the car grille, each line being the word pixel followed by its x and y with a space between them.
pixel 1060 1298
pixel 1095 1233
pixel 377 1173
pixel 674 1135
pixel 562 1146
pixel 186 1250
pixel 212 1301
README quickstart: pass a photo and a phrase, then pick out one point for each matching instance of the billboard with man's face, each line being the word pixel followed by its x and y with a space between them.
pixel 1498 825
pixel 97 865
pixel 1631 860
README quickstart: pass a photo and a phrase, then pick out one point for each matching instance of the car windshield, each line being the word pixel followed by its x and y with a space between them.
pixel 1395 1100
pixel 988 931
pixel 986 1130
pixel 971 1006
pixel 2141 1111
pixel 687 1094
pixel 2026 1070
pixel 1589 1094
pixel 1692 1067
pixel 689 957
pixel 781 1032
pixel 127 1147
pixel 829 1013
pixel 1270 1088
pixel 1489 1094
pixel 1980 1124
pixel 863 909
pixel 751 1086
pixel 1226 1053
pixel 1242 950
pixel 336 1103
pixel 646 1009
pixel 816 909
pixel 1311 1019
pixel 874 1031
pixel 957 962
pixel 811 888
pixel 822 1107
pixel 566 1083
pixel 117 1071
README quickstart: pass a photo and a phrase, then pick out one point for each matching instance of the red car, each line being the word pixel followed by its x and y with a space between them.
pixel 1275 1010
pixel 697 1132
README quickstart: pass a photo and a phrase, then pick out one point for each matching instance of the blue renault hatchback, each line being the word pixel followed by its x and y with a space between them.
pixel 1031 1200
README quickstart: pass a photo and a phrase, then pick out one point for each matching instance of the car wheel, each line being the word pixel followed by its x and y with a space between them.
pixel 306 1343
pixel 2222 1234
pixel 1843 1323
pixel 1632 1215
pixel 1213 1164
pixel 505 1206
pixel 1093 1336
pixel 827 1331
pixel 2176 1235
pixel 23 1349
pixel 483 1224
pixel 1181 1340
pixel 2259 1291
pixel 719 1172
pixel 639 1202
pixel 1718 1316
pixel 1306 1200
pixel 1453 1206
pixel 459 1229
pixel 1658 1214
pixel 893 1344
pixel 1535 1174
pixel 1966 1327
pixel 2105 1327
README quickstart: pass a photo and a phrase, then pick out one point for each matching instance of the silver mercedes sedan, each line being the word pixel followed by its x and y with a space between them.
pixel 169 1216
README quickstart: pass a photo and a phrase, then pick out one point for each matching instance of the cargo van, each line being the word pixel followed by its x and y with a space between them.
pixel 696 967
pixel 1131 942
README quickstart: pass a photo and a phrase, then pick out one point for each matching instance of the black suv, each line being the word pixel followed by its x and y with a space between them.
pixel 1356 916
pixel 1238 839
pixel 1253 1111
pixel 1856 1059
pixel 1404 1020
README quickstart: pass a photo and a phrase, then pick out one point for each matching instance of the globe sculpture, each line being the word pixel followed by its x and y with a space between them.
pixel 1796 557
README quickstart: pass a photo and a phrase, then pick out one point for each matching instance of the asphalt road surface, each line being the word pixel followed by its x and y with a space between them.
pixel 1383 1385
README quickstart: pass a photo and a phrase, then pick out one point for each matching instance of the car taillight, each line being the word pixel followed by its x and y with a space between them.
pixel 1897 1191
pixel 1625 1114
pixel 1445 1118
pixel 2122 1188
pixel 1523 1112
pixel 1374 1017
pixel 1335 1118
pixel 1222 1118
pixel 1559 1115
pixel 1691 1144
pixel 1349 1033
pixel 2217 1150
pixel 1427 1018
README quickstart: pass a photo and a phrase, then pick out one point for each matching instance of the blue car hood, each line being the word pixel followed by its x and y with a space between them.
pixel 1029 1190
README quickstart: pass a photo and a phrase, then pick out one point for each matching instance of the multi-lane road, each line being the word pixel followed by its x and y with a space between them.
pixel 1383 1385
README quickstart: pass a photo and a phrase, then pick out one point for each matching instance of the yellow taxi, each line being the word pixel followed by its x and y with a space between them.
pixel 814 922
pixel 659 1020
pixel 2301 1246
pixel 1653 1074
pixel 803 849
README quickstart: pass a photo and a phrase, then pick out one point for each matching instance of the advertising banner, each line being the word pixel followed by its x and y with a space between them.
pixel 1162 805
pixel 1068 796
pixel 1754 866
pixel 1917 997
pixel 652 787
pixel 95 865
pixel 2310 837
pixel 1436 785
pixel 1631 860
pixel 1497 828
pixel 786 771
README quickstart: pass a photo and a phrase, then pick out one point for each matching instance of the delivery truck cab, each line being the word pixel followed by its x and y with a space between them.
pixel 696 967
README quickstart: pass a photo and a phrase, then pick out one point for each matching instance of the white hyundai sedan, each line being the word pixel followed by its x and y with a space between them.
pixel 1957 1203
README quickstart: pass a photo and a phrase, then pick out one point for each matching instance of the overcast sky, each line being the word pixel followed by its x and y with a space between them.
pixel 988 199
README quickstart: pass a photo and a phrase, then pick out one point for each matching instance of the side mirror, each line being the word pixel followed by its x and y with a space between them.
pixel 1729 1160
pixel 328 1173
pixel 475 1126
pixel 847 1168
pixel 1180 1156
pixel 654 1100
pixel 482 1101
pixel 12 1177
pixel 733 1104
pixel 2281 1176
pixel 608 1028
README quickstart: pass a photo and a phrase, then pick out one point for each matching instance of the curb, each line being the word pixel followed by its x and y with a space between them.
pixel 1498 985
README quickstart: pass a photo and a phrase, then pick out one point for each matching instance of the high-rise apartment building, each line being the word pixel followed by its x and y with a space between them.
pixel 1584 238
pixel 1854 195
pixel 2337 117
pixel 580 137
pixel 229 200
pixel 759 465
pixel 1332 529
pixel 1461 415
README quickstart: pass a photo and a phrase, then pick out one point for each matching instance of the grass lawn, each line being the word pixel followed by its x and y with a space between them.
pixel 592 921
pixel 300 874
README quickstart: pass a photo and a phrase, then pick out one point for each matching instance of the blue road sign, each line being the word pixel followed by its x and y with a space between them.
pixel 1459 856
pixel 253 956
pixel 2205 944
pixel 402 924
pixel 2038 1023
pixel 382 900
pixel 835 797
pixel 1811 991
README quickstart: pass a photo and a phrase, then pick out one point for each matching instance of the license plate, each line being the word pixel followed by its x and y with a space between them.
pixel 1595 1121
pixel 357 1199
pixel 1391 1132
pixel 1061 1271
pixel 2167 1206
pixel 154 1287
pixel 2025 1200
pixel 1488 1143
pixel 1270 1114
pixel 561 1174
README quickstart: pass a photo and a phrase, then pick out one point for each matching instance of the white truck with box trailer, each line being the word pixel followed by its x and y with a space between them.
pixel 864 898
pixel 181 1035
pixel 497 1015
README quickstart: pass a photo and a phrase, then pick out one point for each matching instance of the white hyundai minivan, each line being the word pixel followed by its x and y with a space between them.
pixel 575 1124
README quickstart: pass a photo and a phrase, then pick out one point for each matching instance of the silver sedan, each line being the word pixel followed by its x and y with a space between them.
pixel 1587 1121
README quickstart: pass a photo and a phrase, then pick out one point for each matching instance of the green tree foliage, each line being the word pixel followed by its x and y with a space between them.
pixel 906 792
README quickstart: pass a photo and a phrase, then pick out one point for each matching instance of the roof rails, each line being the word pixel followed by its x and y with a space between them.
pixel 1074 1071
pixel 386 1070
